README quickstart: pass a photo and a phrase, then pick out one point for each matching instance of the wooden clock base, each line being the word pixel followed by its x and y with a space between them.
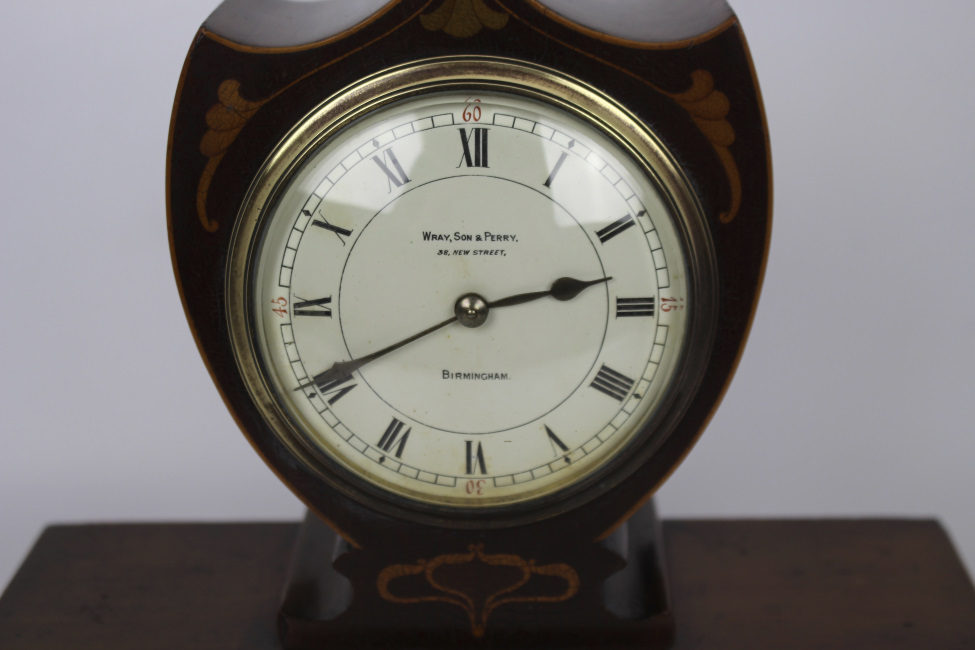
pixel 612 594
pixel 734 585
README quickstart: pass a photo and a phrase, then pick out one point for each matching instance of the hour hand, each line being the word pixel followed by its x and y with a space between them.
pixel 562 289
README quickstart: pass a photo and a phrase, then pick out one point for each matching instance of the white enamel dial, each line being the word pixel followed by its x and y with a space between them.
pixel 384 226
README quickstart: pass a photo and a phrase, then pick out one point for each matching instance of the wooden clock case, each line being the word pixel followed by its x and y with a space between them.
pixel 382 578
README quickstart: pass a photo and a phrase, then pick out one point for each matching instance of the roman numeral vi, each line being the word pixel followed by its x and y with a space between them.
pixel 475 458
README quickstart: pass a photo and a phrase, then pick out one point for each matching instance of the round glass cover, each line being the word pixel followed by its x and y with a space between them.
pixel 469 298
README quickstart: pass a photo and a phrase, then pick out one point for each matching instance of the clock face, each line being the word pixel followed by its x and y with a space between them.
pixel 468 298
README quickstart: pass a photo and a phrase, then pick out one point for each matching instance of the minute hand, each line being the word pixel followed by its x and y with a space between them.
pixel 342 369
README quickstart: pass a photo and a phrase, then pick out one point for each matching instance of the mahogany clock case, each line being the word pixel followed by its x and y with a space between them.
pixel 236 102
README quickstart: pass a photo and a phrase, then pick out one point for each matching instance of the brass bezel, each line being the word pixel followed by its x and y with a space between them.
pixel 487 74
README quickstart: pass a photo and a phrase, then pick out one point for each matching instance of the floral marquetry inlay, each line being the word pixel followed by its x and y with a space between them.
pixel 463 18
pixel 224 121
pixel 709 108
pixel 476 582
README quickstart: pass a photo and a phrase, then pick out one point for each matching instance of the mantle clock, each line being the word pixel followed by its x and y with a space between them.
pixel 471 276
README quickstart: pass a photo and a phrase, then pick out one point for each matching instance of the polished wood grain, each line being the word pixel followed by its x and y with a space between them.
pixel 454 593
pixel 736 585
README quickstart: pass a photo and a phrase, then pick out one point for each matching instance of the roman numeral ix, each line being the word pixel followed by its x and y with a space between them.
pixel 313 307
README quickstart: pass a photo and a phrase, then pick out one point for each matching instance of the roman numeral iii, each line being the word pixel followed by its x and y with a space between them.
pixel 478 156
pixel 635 306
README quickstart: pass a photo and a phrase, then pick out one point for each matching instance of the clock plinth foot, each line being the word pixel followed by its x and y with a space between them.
pixel 489 589
pixel 315 591
pixel 639 590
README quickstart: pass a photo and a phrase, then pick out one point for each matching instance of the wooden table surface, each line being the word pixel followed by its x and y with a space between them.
pixel 776 584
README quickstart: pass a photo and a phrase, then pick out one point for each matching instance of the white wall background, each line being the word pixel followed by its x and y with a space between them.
pixel 856 395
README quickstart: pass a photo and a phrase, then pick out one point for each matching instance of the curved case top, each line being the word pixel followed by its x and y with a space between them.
pixel 293 23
